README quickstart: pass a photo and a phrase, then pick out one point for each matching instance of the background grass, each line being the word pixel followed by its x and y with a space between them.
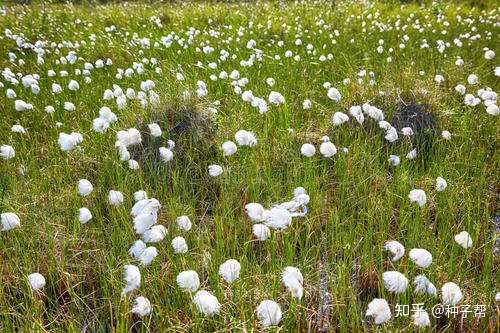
pixel 357 200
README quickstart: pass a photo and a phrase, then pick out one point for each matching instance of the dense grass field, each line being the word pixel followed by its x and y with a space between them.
pixel 211 70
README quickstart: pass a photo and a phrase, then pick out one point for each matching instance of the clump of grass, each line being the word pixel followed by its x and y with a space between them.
pixel 424 126
pixel 191 126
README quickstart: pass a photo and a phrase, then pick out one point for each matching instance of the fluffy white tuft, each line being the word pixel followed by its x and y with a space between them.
pixel 395 248
pixel 379 309
pixel 84 215
pixel 293 280
pixel 268 313
pixel 155 234
pixel 418 196
pixel 206 303
pixel 36 281
pixel 451 294
pixel 255 212
pixel 421 257
pixel 230 270
pixel 261 231
pixel 142 306
pixel 395 281
pixel 84 187
pixel 188 281
pixel 184 223
pixel 9 221
pixel 115 198
pixel 179 245
pixel 132 278
pixel 464 240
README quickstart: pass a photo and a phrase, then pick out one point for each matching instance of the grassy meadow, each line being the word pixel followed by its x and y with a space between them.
pixel 358 200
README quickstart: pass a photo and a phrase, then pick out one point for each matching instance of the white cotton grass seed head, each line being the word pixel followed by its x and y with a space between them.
pixel 20 105
pixel 307 104
pixel 84 215
pixel 291 273
pixel 84 187
pixel 439 78
pixel 472 79
pixel 107 115
pixel 128 137
pixel 179 245
pixel 145 206
pixel 395 282
pixel 100 125
pixel 154 130
pixel 230 270
pixel 136 249
pixel 421 318
pixel 395 248
pixel 391 134
pixel 132 278
pixel 184 223
pixel 268 313
pixel 418 196
pixel 327 149
pixel 115 198
pixel 155 234
pixel 68 142
pixel 215 170
pixel 68 106
pixel 339 118
pixel 147 256
pixel 489 54
pixel 421 257
pixel 412 154
pixel 379 309
pixel 36 281
pixel 460 88
pixel 9 221
pixel 446 135
pixel 451 294
pixel 394 160
pixel 278 218
pixel 188 281
pixel 441 184
pixel 18 129
pixel 261 232
pixel 422 285
pixel 142 306
pixel 493 110
pixel 407 131
pixel 464 239
pixel 334 94
pixel 229 148
pixel 357 112
pixel 166 155
pixel 144 221
pixel 140 195
pixel 245 138
pixel 255 212
pixel 7 152
pixel 308 150
pixel 293 280
pixel 276 98
pixel 206 303
pixel 270 81
pixel 133 165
